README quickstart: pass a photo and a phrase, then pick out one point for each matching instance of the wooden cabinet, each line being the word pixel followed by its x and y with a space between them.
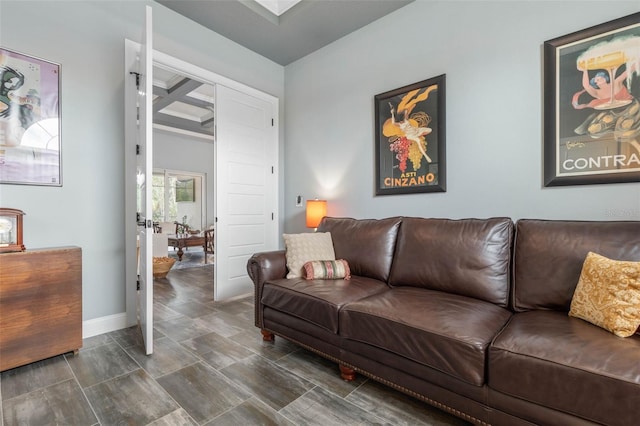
pixel 40 304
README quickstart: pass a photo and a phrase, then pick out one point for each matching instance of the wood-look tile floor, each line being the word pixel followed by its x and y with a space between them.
pixel 209 367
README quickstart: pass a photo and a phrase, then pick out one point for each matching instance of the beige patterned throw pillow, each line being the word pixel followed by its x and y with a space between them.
pixel 302 248
pixel 608 294
pixel 326 270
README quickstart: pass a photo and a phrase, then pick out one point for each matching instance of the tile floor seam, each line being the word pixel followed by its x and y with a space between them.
pixel 93 349
pixel 198 361
pixel 43 390
pixel 45 386
pixel 169 372
pixel 40 389
pixel 357 387
pixel 251 396
pixel 284 415
pixel 180 407
pixel 322 389
pixel 118 376
pixel 86 398
pixel 204 422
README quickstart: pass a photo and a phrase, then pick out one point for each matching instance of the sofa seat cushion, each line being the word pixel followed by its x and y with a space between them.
pixel 318 301
pixel 447 332
pixel 565 363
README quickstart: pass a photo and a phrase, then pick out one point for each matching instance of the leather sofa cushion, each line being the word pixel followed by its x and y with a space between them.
pixel 565 363
pixel 469 257
pixel 549 255
pixel 318 301
pixel 366 244
pixel 443 331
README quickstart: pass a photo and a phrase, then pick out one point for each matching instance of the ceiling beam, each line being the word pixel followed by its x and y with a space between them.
pixel 177 93
pixel 182 123
pixel 161 94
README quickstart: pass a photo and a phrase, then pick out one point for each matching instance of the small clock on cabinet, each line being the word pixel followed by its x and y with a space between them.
pixel 11 230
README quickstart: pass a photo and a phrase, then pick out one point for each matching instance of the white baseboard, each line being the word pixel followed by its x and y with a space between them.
pixel 96 326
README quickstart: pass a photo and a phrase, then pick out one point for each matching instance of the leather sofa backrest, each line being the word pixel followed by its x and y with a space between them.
pixel 366 244
pixel 469 257
pixel 548 257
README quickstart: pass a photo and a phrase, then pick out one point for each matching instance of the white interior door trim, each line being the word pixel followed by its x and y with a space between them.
pixel 138 163
pixel 206 76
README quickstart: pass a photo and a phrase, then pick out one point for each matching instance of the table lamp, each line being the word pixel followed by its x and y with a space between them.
pixel 316 210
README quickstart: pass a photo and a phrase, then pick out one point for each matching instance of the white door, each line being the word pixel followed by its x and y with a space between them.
pixel 144 170
pixel 246 187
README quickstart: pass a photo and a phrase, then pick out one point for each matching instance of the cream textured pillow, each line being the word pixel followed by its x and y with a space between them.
pixel 608 294
pixel 301 248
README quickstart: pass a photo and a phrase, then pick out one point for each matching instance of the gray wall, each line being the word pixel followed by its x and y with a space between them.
pixel 491 53
pixel 87 39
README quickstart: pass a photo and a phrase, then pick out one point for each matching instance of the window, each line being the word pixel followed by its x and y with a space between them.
pixel 177 196
pixel 158 198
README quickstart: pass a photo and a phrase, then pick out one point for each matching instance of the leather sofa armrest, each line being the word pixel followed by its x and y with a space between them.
pixel 261 268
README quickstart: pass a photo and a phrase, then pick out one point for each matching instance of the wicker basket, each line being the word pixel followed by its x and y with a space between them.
pixel 162 266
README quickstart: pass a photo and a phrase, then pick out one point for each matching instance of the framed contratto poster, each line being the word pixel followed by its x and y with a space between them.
pixel 591 105
pixel 29 120
pixel 410 138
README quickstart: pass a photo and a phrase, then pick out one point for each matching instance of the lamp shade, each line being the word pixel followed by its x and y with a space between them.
pixel 316 210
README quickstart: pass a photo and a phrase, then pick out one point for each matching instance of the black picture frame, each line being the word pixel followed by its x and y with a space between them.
pixel 410 138
pixel 591 138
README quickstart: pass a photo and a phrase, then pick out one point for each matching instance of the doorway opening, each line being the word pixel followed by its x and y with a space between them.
pixel 179 200
pixel 242 200
pixel 183 161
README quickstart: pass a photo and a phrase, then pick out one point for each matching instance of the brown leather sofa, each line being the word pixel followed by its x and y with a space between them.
pixel 468 315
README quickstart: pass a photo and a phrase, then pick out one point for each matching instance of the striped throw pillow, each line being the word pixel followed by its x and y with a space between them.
pixel 327 270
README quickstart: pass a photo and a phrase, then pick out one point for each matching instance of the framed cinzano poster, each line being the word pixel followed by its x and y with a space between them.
pixel 29 120
pixel 410 138
pixel 591 105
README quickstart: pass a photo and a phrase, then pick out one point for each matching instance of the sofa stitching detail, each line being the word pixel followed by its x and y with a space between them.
pixel 390 384
pixel 420 397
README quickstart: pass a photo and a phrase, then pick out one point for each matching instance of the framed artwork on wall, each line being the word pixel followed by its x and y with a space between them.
pixel 30 151
pixel 410 138
pixel 592 105
pixel 185 190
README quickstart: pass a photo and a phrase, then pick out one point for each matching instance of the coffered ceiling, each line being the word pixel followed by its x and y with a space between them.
pixel 182 103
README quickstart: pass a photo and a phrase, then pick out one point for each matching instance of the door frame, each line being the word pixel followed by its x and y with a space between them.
pixel 191 70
